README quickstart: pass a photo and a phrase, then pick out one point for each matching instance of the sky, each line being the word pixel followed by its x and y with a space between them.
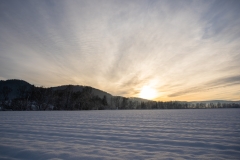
pixel 178 49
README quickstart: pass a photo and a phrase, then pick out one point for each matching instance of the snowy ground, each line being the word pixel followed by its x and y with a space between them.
pixel 149 134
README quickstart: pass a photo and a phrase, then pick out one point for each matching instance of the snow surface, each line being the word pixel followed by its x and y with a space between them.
pixel 135 134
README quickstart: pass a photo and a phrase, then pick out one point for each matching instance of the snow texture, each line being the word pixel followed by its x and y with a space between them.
pixel 135 134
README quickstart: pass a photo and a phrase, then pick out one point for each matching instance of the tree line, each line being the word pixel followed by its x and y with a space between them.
pixel 40 98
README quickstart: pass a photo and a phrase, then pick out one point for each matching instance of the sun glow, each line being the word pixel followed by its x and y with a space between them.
pixel 148 93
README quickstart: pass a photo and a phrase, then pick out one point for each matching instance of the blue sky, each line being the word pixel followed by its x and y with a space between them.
pixel 184 50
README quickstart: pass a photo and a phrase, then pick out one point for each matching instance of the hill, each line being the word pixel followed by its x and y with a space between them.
pixel 77 88
pixel 21 95
pixel 15 85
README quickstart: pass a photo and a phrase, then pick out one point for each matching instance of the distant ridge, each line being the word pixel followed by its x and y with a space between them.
pixel 76 88
pixel 215 101
pixel 14 84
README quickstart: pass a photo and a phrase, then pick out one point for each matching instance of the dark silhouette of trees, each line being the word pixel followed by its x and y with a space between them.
pixel 4 94
pixel 124 103
pixel 43 98
pixel 104 100
pixel 30 97
pixel 116 102
pixel 23 92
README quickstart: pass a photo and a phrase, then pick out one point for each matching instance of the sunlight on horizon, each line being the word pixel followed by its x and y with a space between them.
pixel 148 92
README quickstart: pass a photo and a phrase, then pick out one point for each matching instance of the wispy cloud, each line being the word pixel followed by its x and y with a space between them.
pixel 120 46
pixel 218 83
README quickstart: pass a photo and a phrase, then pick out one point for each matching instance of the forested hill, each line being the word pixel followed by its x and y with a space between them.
pixel 12 88
pixel 15 86
pixel 78 88
pixel 20 95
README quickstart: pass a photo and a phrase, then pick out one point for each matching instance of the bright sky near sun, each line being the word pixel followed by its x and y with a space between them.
pixel 162 50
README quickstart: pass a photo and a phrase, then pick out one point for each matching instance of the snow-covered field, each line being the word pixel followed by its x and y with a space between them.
pixel 135 134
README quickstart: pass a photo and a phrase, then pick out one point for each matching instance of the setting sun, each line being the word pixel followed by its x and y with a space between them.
pixel 148 93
